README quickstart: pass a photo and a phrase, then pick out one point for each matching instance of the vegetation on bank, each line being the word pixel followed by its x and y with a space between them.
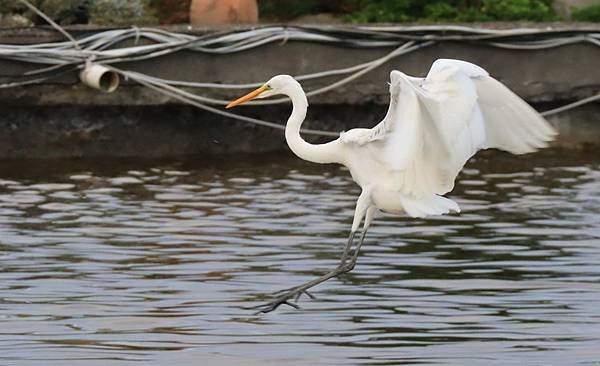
pixel 148 12
pixel 454 11
pixel 394 11
pixel 103 12
pixel 432 11
pixel 587 14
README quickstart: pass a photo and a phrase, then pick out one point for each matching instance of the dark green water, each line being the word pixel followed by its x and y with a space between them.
pixel 152 263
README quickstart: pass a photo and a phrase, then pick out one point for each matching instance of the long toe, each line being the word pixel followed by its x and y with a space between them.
pixel 285 290
pixel 272 305
pixel 305 292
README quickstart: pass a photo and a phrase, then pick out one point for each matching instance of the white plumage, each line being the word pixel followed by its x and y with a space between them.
pixel 432 127
pixel 412 157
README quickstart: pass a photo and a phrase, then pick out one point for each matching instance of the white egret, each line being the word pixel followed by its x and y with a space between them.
pixel 411 158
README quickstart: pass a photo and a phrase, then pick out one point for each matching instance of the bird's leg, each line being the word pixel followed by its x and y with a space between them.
pixel 354 258
pixel 347 247
pixel 370 214
pixel 283 297
pixel 294 293
pixel 343 259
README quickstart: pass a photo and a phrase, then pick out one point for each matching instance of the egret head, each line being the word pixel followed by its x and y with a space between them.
pixel 279 84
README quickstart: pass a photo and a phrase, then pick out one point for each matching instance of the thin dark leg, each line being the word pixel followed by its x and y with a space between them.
pixel 357 250
pixel 348 246
pixel 342 262
pixel 297 291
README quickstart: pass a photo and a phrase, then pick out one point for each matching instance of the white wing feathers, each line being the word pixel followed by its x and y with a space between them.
pixel 434 125
pixel 511 124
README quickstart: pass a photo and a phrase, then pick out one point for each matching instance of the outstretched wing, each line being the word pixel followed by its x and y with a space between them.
pixel 434 125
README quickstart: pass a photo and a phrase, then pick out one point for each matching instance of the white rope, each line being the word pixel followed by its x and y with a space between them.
pixel 570 106
pixel 184 97
pixel 202 99
pixel 74 54
pixel 51 22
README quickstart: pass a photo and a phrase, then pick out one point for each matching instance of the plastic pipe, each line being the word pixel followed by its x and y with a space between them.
pixel 100 77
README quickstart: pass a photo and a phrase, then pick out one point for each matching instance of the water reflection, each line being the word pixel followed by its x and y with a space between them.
pixel 154 262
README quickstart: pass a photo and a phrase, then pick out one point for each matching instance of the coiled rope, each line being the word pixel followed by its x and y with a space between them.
pixel 59 58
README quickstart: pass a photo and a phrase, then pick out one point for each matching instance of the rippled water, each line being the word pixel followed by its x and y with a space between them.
pixel 154 262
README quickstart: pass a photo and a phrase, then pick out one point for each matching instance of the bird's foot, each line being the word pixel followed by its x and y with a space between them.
pixel 287 297
pixel 295 292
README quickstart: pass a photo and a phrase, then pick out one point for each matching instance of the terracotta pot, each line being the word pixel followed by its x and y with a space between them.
pixel 223 11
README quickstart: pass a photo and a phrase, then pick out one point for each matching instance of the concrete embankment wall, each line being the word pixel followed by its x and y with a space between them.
pixel 65 118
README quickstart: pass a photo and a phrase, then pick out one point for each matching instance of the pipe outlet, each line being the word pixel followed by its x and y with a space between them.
pixel 99 77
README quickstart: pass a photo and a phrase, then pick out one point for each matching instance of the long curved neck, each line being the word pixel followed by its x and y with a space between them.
pixel 316 153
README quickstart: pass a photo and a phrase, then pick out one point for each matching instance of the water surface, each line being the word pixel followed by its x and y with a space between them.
pixel 118 262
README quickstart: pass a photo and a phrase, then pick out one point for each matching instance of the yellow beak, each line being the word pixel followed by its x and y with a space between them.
pixel 247 97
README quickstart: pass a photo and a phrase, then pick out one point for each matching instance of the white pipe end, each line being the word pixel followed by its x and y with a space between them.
pixel 100 77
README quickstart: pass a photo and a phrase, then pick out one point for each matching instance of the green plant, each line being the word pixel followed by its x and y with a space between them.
pixel 441 11
pixel 11 6
pixel 535 10
pixel 452 10
pixel 61 11
pixel 121 12
pixel 290 9
pixel 589 13
pixel 66 11
pixel 386 11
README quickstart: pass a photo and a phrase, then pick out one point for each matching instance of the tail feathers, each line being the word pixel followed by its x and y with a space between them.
pixel 428 205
